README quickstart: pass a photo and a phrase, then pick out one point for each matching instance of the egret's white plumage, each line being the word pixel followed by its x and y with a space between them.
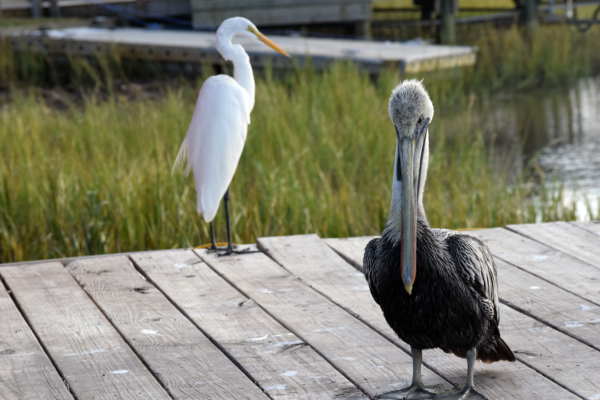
pixel 215 140
pixel 217 133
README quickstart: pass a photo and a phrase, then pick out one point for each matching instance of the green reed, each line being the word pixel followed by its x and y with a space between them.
pixel 95 176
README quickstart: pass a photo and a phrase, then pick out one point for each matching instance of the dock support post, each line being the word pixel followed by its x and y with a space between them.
pixel 54 8
pixel 447 35
pixel 35 9
pixel 363 29
pixel 140 5
pixel 530 17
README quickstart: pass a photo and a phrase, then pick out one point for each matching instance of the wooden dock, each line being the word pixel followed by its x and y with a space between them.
pixel 199 48
pixel 292 320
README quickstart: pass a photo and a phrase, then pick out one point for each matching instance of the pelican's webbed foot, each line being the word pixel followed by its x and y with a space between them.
pixel 468 392
pixel 415 391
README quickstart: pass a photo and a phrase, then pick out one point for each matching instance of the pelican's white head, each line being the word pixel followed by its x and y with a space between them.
pixel 411 111
pixel 240 26
pixel 409 103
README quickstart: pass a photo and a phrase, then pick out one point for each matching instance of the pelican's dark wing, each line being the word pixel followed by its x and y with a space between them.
pixel 475 265
pixel 370 267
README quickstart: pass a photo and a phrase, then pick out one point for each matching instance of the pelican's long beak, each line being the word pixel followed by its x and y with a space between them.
pixel 410 153
pixel 267 41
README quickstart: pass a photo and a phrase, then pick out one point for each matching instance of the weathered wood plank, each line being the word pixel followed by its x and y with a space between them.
pixel 564 237
pixel 309 258
pixel 565 360
pixel 25 370
pixel 184 360
pixel 535 343
pixel 350 249
pixel 198 48
pixel 525 292
pixel 552 306
pixel 278 360
pixel 364 356
pixel 591 226
pixel 556 267
pixel 88 352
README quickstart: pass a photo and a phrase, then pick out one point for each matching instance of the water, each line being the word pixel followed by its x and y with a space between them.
pixel 558 128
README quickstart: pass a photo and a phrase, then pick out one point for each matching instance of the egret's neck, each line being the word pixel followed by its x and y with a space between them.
pixel 242 70
pixel 394 223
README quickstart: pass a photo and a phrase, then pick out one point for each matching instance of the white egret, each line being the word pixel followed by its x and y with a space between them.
pixel 217 133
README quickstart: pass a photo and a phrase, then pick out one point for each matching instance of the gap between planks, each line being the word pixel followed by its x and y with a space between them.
pixel 26 369
pixel 564 237
pixel 580 279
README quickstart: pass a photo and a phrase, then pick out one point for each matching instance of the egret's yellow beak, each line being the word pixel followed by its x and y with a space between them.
pixel 267 41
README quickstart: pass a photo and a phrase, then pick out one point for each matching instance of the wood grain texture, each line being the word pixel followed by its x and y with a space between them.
pixel 277 359
pixel 88 352
pixel 527 293
pixel 351 249
pixel 309 258
pixel 545 262
pixel 25 370
pixel 199 48
pixel 364 356
pixel 564 237
pixel 187 364
pixel 590 226
pixel 548 304
pixel 565 360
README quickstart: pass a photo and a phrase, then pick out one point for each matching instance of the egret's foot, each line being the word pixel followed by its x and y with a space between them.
pixel 225 251
pixel 413 392
pixel 214 250
pixel 247 250
pixel 468 393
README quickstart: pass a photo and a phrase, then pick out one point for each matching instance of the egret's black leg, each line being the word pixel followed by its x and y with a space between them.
pixel 229 246
pixel 468 392
pixel 229 250
pixel 213 246
pixel 416 390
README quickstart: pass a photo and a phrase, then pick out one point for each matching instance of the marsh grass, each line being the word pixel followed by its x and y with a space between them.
pixel 95 177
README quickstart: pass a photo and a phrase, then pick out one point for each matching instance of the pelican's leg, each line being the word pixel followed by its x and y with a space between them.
pixel 468 392
pixel 229 245
pixel 416 390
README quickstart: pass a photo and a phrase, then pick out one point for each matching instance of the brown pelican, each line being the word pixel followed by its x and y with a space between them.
pixel 436 287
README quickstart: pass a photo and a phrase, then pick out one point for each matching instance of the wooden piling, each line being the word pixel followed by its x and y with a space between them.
pixel 35 8
pixel 447 31
pixel 54 8
pixel 530 17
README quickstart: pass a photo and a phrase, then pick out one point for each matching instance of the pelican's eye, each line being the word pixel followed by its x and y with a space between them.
pixel 420 120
